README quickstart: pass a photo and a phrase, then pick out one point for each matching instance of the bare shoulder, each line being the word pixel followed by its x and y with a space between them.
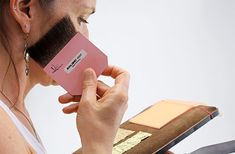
pixel 11 141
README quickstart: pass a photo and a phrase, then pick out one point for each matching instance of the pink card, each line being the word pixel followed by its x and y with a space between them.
pixel 67 67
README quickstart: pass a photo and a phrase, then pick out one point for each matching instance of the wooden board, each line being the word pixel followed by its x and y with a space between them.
pixel 171 133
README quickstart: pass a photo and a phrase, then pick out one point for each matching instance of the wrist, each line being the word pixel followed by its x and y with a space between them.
pixel 96 148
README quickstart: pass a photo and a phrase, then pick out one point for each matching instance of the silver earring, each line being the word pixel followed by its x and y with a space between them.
pixel 26 56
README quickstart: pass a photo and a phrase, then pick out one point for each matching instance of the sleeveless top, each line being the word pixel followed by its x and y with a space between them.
pixel 29 137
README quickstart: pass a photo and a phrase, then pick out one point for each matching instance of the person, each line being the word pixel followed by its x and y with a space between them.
pixel 100 108
pixel 21 18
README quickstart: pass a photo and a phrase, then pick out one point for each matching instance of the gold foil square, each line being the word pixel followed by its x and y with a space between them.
pixel 130 143
pixel 122 134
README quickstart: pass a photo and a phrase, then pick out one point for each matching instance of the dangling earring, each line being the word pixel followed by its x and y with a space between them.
pixel 26 55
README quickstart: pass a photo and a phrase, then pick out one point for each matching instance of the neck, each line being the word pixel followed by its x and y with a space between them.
pixel 14 84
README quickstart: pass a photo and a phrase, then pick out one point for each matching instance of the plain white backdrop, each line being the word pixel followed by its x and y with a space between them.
pixel 174 49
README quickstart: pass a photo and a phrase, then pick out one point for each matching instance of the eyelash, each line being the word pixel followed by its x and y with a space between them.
pixel 83 20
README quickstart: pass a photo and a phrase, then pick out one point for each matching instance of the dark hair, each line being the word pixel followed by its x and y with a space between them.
pixel 52 42
pixel 4 40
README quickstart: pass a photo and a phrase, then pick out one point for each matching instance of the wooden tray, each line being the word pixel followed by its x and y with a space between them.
pixel 173 132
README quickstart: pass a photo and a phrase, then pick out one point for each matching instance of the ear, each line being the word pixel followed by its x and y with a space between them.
pixel 21 9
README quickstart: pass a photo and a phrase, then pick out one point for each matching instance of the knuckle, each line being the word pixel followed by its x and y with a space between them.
pixel 128 74
pixel 85 101
pixel 88 84
pixel 122 97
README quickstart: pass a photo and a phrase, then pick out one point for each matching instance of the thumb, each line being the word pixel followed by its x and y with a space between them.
pixel 89 86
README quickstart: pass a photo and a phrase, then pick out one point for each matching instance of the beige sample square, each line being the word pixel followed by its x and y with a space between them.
pixel 162 113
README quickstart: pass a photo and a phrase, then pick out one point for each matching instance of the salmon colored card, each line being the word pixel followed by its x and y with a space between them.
pixel 161 113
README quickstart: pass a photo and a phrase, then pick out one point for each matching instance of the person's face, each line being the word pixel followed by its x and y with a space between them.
pixel 46 18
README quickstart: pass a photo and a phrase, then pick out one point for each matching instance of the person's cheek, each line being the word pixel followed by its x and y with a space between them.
pixel 85 31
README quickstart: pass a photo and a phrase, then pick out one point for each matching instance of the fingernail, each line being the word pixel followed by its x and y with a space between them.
pixel 89 74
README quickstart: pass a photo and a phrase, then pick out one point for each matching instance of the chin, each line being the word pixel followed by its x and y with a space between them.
pixel 54 83
pixel 49 83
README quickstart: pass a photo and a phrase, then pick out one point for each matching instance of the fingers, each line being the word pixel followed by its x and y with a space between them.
pixel 66 98
pixel 122 77
pixel 92 88
pixel 113 71
pixel 71 108
pixel 88 94
pixel 89 86
pixel 102 88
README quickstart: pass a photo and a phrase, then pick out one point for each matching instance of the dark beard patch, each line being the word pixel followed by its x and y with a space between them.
pixel 52 42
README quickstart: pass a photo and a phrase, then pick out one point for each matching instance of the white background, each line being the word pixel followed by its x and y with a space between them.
pixel 174 49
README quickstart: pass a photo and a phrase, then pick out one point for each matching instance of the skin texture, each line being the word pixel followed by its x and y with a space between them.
pixel 101 107
pixel 20 18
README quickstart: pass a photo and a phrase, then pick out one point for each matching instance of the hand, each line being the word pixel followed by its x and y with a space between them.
pixel 100 110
